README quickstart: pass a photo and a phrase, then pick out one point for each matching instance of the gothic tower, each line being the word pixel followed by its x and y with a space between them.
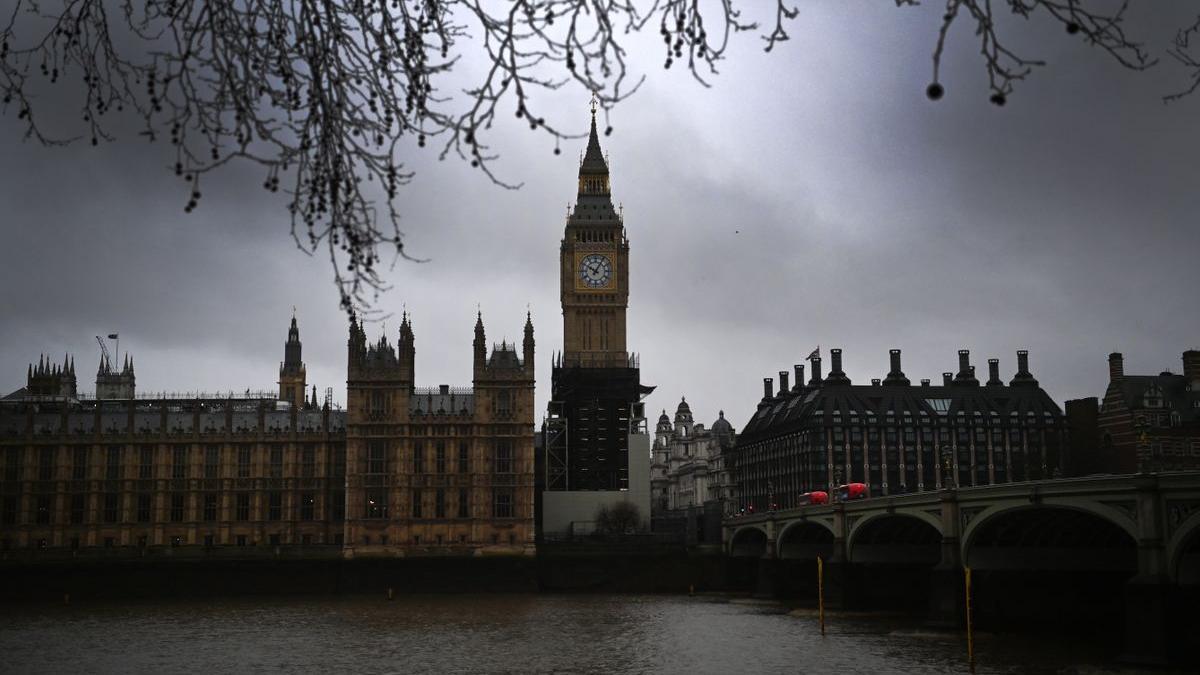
pixel 594 264
pixel 595 426
pixel 291 371
pixel 115 384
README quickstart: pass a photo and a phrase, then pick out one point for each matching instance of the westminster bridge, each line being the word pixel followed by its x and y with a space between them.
pixel 1043 551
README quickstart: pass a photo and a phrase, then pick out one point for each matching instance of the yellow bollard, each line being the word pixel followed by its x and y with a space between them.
pixel 970 627
pixel 821 592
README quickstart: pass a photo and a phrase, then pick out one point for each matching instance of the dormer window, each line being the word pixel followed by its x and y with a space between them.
pixel 1153 397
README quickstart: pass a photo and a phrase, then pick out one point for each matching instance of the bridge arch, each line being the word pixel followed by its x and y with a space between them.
pixel 805 540
pixel 897 537
pixel 749 541
pixel 1050 536
pixel 1183 552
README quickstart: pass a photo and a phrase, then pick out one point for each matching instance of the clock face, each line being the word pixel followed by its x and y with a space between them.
pixel 595 271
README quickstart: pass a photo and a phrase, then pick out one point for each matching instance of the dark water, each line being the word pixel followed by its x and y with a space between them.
pixel 502 634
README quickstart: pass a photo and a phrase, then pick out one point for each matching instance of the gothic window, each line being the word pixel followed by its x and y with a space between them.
pixel 9 510
pixel 176 508
pixel 112 507
pixel 307 506
pixel 243 506
pixel 502 403
pixel 179 462
pixel 416 504
pixel 339 461
pixel 210 507
pixel 45 506
pixel 144 503
pixel 378 405
pixel 337 503
pixel 46 464
pixel 502 503
pixel 113 466
pixel 308 461
pixel 464 504
pixel 376 457
pixel 146 465
pixel 243 470
pixel 464 457
pixel 12 464
pixel 212 461
pixel 276 461
pixel 440 457
pixel 78 509
pixel 439 503
pixel 275 506
pixel 503 462
pixel 418 457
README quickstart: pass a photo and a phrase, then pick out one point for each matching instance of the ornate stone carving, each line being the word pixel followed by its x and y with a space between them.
pixel 966 515
pixel 1179 511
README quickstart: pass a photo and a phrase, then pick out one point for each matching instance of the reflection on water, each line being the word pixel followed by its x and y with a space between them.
pixel 502 633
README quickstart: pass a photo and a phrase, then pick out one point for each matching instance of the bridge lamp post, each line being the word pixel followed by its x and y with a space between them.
pixel 949 480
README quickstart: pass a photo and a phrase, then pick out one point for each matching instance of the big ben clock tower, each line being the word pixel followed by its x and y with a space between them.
pixel 594 263
pixel 592 440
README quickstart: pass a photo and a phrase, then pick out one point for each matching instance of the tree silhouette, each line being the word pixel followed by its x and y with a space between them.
pixel 325 95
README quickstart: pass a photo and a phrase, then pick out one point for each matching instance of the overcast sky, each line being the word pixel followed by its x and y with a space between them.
pixel 811 196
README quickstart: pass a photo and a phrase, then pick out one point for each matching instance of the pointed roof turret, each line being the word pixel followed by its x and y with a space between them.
pixel 593 157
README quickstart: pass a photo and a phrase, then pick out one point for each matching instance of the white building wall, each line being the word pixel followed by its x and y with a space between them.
pixel 562 509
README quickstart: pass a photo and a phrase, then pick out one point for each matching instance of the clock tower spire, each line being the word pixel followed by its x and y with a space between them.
pixel 594 274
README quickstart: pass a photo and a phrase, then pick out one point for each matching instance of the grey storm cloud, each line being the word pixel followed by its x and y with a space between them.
pixel 811 196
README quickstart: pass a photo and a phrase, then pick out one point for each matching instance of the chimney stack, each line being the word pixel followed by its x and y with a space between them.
pixel 783 382
pixel 1191 366
pixel 896 375
pixel 875 382
pixel 1023 375
pixel 924 382
pixel 1116 366
pixel 994 373
pixel 946 379
pixel 816 374
pixel 836 374
pixel 799 376
pixel 966 374
pixel 768 388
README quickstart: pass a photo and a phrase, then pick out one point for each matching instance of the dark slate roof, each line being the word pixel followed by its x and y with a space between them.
pixel 593 158
pixel 1176 397
pixel 816 405
pixel 504 356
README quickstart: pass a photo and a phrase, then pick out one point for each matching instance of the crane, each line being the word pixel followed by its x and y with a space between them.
pixel 104 353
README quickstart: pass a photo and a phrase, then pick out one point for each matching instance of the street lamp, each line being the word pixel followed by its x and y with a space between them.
pixel 948 478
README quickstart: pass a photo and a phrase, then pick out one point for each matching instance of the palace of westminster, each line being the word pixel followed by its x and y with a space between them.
pixel 412 470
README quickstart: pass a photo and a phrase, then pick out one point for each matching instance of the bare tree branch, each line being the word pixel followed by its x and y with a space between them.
pixel 328 96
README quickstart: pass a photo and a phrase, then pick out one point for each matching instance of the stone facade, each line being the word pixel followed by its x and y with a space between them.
pixel 1143 423
pixel 441 469
pixel 689 468
pixel 403 471
pixel 896 437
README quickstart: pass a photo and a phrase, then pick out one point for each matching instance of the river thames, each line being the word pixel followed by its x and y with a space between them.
pixel 505 634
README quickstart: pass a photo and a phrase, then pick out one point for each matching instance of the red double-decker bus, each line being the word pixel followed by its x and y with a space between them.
pixel 814 497
pixel 852 491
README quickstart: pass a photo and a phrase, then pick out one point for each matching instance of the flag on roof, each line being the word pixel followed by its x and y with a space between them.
pixel 112 336
pixel 816 354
